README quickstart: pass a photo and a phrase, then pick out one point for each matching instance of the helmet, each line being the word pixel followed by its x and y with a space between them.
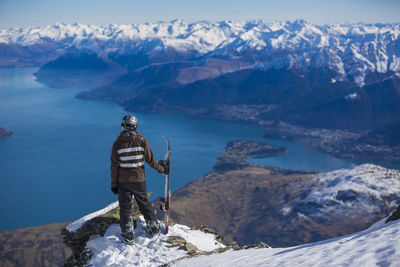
pixel 129 123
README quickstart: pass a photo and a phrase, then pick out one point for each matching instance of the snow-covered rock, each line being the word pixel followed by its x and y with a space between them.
pixel 95 240
pixel 350 50
pixel 75 225
pixel 108 250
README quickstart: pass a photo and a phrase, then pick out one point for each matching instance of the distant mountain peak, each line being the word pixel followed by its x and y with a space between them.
pixel 350 50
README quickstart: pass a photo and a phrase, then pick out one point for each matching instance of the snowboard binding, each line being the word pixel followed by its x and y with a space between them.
pixel 163 204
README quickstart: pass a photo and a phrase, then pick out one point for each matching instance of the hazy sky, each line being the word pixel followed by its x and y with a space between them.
pixel 41 12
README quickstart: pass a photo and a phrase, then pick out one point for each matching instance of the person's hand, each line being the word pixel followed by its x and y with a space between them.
pixel 114 190
pixel 165 165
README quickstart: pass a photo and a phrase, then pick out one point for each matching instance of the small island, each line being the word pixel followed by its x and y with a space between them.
pixel 237 151
pixel 5 133
pixel 250 149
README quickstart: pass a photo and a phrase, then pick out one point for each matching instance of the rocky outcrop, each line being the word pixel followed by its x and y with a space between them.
pixel 395 215
pixel 76 240
pixel 180 242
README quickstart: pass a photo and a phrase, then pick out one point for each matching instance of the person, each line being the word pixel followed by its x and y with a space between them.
pixel 129 152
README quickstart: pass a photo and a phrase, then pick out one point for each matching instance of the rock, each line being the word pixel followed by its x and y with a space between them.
pixel 234 245
pixel 256 245
pixel 180 242
pixel 176 241
pixel 76 241
pixel 395 215
pixel 191 249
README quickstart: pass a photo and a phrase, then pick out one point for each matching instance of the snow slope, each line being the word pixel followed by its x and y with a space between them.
pixel 376 246
pixel 367 187
pixel 349 49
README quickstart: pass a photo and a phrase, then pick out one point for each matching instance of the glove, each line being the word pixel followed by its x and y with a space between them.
pixel 114 190
pixel 165 165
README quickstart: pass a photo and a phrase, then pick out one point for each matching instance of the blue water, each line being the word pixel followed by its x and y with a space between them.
pixel 56 165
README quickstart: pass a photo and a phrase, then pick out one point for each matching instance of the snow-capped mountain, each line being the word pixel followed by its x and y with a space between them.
pixel 365 191
pixel 350 50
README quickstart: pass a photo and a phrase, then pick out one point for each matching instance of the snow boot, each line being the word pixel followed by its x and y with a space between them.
pixel 153 227
pixel 128 238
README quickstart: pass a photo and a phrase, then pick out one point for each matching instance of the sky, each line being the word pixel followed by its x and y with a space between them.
pixel 22 13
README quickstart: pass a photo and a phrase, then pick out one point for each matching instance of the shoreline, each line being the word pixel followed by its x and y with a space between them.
pixel 342 144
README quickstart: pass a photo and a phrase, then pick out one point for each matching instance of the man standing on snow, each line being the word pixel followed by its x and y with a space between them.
pixel 129 152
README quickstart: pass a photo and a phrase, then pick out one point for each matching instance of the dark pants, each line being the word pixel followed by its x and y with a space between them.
pixel 125 193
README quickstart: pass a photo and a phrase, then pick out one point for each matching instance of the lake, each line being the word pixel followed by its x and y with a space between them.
pixel 56 166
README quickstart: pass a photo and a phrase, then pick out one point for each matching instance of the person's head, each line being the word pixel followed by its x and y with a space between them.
pixel 129 123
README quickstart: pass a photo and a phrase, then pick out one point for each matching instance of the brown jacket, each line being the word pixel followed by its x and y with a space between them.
pixel 129 152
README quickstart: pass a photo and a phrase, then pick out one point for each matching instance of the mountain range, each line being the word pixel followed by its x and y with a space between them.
pixel 296 71
pixel 349 51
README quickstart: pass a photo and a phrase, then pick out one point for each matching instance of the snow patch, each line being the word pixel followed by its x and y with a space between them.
pixel 78 223
pixel 352 96
pixel 359 186
pixel 108 250
pixel 286 210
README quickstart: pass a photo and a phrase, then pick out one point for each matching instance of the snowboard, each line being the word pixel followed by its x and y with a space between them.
pixel 165 202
